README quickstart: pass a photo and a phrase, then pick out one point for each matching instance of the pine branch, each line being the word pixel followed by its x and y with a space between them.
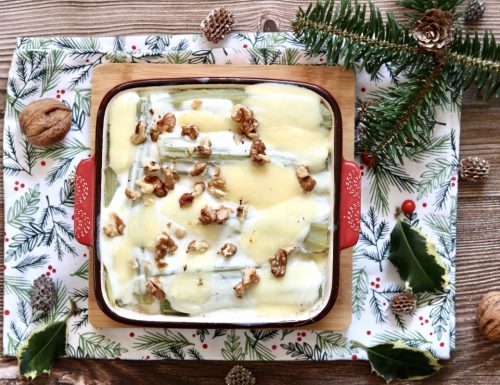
pixel 31 262
pixel 424 5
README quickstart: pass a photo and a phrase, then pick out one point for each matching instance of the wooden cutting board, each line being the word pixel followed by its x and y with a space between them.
pixel 340 83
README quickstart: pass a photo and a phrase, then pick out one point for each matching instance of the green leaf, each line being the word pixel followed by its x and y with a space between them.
pixel 418 263
pixel 39 351
pixel 110 185
pixel 396 361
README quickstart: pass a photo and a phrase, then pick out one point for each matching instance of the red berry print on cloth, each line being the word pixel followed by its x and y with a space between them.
pixel 6 312
pixel 354 357
pixel 204 346
pixel 369 160
pixel 132 334
pixel 408 206
pixel 43 163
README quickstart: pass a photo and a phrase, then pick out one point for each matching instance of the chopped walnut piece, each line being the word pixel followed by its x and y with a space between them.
pixel 153 286
pixel 204 148
pixel 186 199
pixel 200 281
pixel 189 130
pixel 158 187
pixel 165 124
pixel 207 215
pixel 258 152
pixel 151 166
pixel 180 233
pixel 241 211
pixel 248 124
pixel 217 184
pixel 222 214
pixel 249 276
pixel 198 169
pixel 165 245
pixel 306 181
pixel 132 195
pixel 139 135
pixel 197 247
pixel 171 177
pixel 228 250
pixel 115 227
pixel 196 104
pixel 198 188
pixel 278 262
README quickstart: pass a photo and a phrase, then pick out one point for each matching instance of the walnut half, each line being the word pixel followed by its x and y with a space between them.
pixel 279 261
pixel 306 181
pixel 153 286
pixel 258 152
pixel 189 130
pixel 248 124
pixel 249 276
pixel 115 227
pixel 139 135
pixel 228 250
pixel 165 124
pixel 165 245
pixel 197 247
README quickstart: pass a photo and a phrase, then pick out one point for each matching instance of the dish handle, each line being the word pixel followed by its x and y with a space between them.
pixel 350 204
pixel 84 201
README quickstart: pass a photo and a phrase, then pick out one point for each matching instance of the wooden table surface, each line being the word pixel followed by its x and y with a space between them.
pixel 476 361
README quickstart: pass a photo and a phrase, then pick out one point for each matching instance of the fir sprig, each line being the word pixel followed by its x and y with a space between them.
pixel 356 36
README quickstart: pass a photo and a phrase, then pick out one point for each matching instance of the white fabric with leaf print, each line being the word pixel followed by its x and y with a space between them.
pixel 39 236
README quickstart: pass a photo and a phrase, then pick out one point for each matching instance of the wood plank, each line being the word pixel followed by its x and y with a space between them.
pixel 334 79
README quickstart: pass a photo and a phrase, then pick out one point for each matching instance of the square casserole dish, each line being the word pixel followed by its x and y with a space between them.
pixel 161 263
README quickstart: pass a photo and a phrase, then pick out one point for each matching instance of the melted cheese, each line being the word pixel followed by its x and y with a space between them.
pixel 260 186
pixel 207 121
pixel 298 288
pixel 277 105
pixel 122 121
pixel 189 289
pixel 281 225
pixel 123 261
pixel 143 226
pixel 312 147
pixel 188 216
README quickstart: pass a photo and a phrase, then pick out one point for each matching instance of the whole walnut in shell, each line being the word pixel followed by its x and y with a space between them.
pixel 488 315
pixel 45 122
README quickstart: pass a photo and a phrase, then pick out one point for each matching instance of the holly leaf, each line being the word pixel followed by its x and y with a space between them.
pixel 397 361
pixel 417 260
pixel 38 352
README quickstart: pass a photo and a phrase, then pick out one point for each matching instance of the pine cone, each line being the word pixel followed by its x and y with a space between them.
pixel 218 24
pixel 239 375
pixel 43 294
pixel 474 168
pixel 403 303
pixel 474 10
pixel 434 30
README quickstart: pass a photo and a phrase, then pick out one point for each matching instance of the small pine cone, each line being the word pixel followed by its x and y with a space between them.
pixel 217 24
pixel 474 10
pixel 474 168
pixel 239 375
pixel 434 30
pixel 43 294
pixel 403 303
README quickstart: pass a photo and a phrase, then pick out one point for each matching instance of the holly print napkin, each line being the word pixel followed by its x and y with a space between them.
pixel 39 197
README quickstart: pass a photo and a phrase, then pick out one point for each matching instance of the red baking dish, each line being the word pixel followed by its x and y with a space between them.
pixel 346 207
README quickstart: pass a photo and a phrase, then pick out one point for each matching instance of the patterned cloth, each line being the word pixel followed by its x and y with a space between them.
pixel 39 236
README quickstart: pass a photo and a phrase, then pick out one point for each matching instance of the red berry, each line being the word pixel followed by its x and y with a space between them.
pixel 43 163
pixel 62 91
pixel 354 357
pixel 22 185
pixel 369 160
pixel 6 312
pixel 132 334
pixel 58 96
pixel 363 89
pixel 299 339
pixel 275 347
pixel 205 346
pixel 441 344
pixel 16 182
pixel 408 206
pixel 134 47
pixel 16 188
pixel 368 332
